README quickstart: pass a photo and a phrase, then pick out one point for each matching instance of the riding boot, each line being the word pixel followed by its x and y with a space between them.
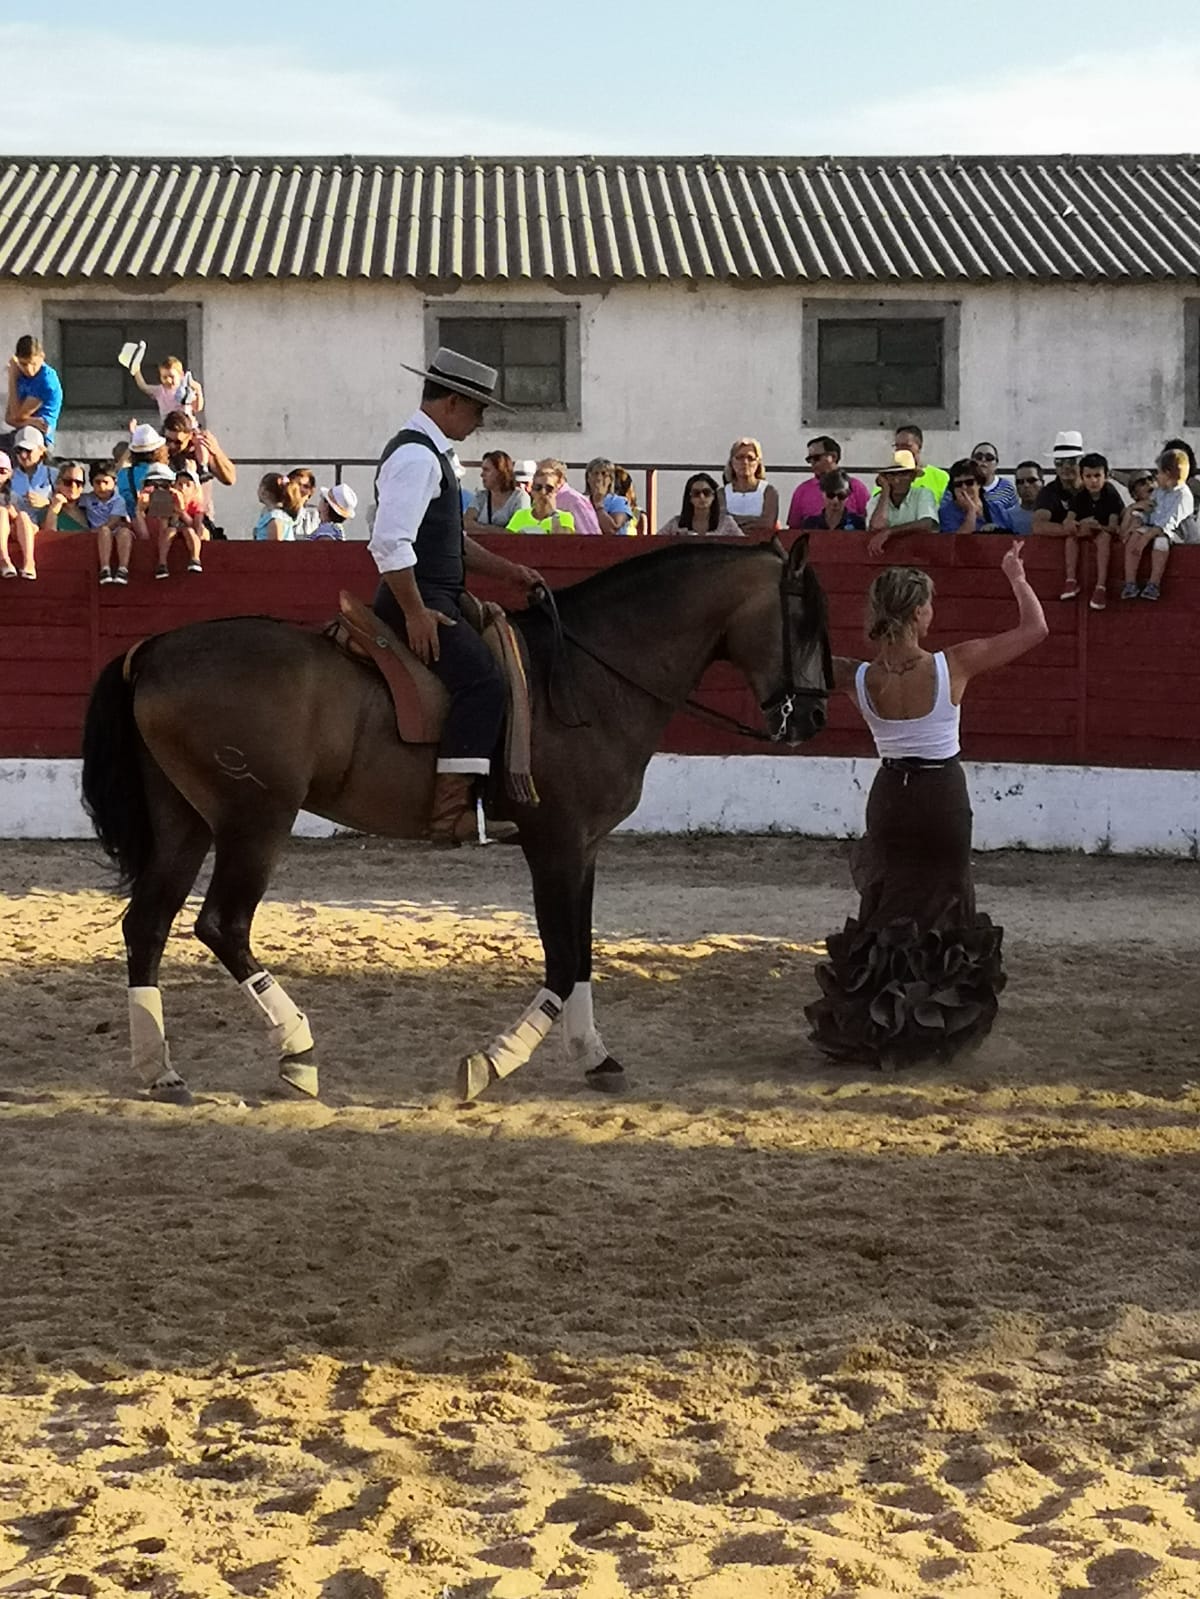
pixel 452 818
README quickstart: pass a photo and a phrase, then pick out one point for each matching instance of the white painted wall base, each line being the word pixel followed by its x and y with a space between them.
pixel 1088 808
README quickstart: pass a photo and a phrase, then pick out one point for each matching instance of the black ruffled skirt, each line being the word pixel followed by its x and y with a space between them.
pixel 916 974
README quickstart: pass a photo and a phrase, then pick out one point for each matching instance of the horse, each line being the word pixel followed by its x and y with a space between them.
pixel 218 733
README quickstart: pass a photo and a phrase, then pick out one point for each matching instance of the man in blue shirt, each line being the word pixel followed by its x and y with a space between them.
pixel 35 394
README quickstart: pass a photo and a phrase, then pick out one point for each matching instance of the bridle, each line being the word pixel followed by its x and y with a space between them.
pixel 782 703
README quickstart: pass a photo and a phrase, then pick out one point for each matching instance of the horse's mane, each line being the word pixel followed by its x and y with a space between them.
pixel 627 579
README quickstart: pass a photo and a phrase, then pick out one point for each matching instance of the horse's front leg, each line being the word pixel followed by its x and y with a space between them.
pixel 557 893
pixel 582 1044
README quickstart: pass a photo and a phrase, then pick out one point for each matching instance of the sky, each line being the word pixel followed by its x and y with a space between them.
pixel 390 77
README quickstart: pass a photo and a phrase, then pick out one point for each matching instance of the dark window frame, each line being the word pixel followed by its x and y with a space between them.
pixel 1191 363
pixel 881 415
pixel 524 418
pixel 56 313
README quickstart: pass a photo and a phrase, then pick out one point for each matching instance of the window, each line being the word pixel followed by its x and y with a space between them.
pixel 876 363
pixel 83 340
pixel 535 349
pixel 1191 363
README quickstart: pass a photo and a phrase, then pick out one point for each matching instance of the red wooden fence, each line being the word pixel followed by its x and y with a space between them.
pixel 1118 688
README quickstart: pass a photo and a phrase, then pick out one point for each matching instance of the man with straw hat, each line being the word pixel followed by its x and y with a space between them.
pixel 900 504
pixel 423 557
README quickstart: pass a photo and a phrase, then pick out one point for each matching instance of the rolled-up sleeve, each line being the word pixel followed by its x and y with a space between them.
pixel 408 480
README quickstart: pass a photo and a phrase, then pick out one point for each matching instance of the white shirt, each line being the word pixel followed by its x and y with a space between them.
pixel 933 737
pixel 408 480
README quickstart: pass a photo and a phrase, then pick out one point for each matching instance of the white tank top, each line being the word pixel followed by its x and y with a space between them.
pixel 928 738
pixel 749 503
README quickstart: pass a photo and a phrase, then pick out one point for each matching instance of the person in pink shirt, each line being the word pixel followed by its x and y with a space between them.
pixel 823 455
pixel 569 499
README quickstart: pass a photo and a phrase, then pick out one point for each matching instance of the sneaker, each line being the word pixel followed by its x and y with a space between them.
pixel 1070 592
pixel 121 575
pixel 105 576
pixel 1130 591
pixel 1151 592
pixel 161 571
pixel 194 566
pixel 1099 598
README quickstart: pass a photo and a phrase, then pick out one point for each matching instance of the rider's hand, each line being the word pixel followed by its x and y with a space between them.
pixel 422 629
pixel 526 578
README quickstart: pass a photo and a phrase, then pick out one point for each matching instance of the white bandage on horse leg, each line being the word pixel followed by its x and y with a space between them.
pixel 582 1044
pixel 289 1027
pixel 513 1049
pixel 147 1037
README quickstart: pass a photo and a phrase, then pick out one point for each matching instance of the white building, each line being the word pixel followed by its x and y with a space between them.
pixel 650 310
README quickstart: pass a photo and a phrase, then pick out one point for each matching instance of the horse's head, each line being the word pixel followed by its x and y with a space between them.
pixel 779 637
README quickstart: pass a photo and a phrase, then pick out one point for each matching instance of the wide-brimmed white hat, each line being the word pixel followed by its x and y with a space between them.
pixel 29 438
pixel 462 375
pixel 145 437
pixel 159 472
pixel 1069 442
pixel 342 498
pixel 902 461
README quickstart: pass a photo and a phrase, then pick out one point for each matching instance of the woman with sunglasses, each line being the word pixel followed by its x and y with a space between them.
pixel 835 516
pixel 31 492
pixel 977 500
pixel 701 512
pixel 64 514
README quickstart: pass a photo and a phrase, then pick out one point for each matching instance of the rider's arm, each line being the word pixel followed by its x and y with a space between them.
pixel 478 558
pixel 408 480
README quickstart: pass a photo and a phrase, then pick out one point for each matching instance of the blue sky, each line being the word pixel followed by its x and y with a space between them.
pixel 392 77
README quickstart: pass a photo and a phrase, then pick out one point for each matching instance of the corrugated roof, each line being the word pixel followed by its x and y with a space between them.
pixel 579 220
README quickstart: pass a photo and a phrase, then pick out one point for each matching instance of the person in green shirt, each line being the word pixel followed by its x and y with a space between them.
pixel 910 437
pixel 544 517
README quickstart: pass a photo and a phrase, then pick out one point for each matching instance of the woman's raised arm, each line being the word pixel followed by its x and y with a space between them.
pixel 985 654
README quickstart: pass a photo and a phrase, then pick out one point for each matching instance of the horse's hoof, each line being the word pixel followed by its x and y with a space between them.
pixel 607 1078
pixel 475 1073
pixel 170 1089
pixel 299 1074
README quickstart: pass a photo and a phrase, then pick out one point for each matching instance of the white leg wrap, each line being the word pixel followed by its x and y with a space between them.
pixel 512 1049
pixel 147 1038
pixel 582 1044
pixel 289 1027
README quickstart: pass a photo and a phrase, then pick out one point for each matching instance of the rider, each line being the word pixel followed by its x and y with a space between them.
pixel 423 556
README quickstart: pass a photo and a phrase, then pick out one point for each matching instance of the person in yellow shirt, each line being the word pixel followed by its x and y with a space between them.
pixel 544 517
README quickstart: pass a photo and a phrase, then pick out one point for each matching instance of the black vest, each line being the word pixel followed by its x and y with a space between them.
pixel 439 545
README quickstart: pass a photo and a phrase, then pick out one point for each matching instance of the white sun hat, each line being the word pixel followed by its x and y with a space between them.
pixel 342 498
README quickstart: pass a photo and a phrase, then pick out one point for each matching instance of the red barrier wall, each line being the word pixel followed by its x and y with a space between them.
pixel 1119 688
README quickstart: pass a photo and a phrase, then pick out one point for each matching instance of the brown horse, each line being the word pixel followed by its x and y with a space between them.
pixel 220 732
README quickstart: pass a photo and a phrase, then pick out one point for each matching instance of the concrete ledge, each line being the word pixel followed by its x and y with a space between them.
pixel 1095 809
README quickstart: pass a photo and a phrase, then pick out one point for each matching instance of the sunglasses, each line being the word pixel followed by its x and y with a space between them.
pixel 542 488
pixel 821 455
pixel 965 483
pixel 1022 481
pixel 702 494
pixel 984 455
pixel 838 494
pixel 71 482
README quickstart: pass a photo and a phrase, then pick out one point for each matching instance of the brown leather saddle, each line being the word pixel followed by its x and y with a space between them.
pixel 419 698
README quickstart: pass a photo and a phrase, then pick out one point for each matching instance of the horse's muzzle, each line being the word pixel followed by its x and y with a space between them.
pixel 795 722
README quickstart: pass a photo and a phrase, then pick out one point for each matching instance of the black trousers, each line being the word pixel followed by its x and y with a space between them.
pixel 468 669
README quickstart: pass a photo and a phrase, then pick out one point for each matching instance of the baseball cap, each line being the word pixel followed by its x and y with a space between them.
pixel 28 438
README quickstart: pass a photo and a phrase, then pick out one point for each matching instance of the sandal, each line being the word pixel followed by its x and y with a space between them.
pixel 30 572
pixel 8 571
pixel 1099 599
pixel 1071 592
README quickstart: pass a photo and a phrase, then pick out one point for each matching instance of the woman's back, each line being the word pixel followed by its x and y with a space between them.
pixel 911 714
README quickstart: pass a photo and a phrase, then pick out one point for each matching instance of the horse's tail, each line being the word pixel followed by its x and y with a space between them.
pixel 114 789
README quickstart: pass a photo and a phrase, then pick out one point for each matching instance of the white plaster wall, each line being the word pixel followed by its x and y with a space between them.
pixel 299 371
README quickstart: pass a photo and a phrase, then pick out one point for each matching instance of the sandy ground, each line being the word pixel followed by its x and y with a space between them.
pixel 758 1328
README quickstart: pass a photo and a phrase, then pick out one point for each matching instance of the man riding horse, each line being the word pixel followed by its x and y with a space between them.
pixel 423 556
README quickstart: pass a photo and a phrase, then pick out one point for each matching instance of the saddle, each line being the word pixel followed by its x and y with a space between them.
pixel 419 698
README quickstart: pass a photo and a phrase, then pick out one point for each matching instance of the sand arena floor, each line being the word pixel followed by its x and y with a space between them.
pixel 760 1328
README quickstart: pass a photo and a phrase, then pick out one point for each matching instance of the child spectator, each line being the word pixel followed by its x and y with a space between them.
pixel 309 515
pixel 1098 511
pixel 147 448
pixel 280 501
pixel 161 514
pixel 187 483
pixel 35 393
pixel 337 505
pixel 623 486
pixel 31 491
pixel 122 455
pixel 747 496
pixel 612 511
pixel 837 489
pixel 7 569
pixel 1169 519
pixel 544 516
pixel 105 511
pixel 701 512
pixel 1141 487
pixel 176 390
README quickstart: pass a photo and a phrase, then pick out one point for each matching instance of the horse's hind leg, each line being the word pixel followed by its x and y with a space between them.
pixel 245 858
pixel 181 840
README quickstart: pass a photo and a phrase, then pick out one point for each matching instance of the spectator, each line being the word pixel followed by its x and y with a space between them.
pixel 338 505
pixel 1054 510
pixel 1170 520
pixel 544 515
pixel 1098 513
pixel 612 511
pixel 199 447
pixel 835 515
pixel 280 500
pixel 176 390
pixel 499 500
pixel 35 394
pixel 31 491
pixel 162 512
pixel 623 486
pixel 147 448
pixel 583 512
pixel 998 495
pixel 121 454
pixel 1193 477
pixel 701 511
pixel 967 507
pixel 900 505
pixel 1029 485
pixel 523 473
pixel 64 514
pixel 106 516
pixel 824 456
pixel 747 496
pixel 7 569
pixel 309 515
pixel 909 437
pixel 1141 485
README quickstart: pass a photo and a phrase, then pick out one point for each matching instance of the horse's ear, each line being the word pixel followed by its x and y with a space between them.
pixel 798 558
